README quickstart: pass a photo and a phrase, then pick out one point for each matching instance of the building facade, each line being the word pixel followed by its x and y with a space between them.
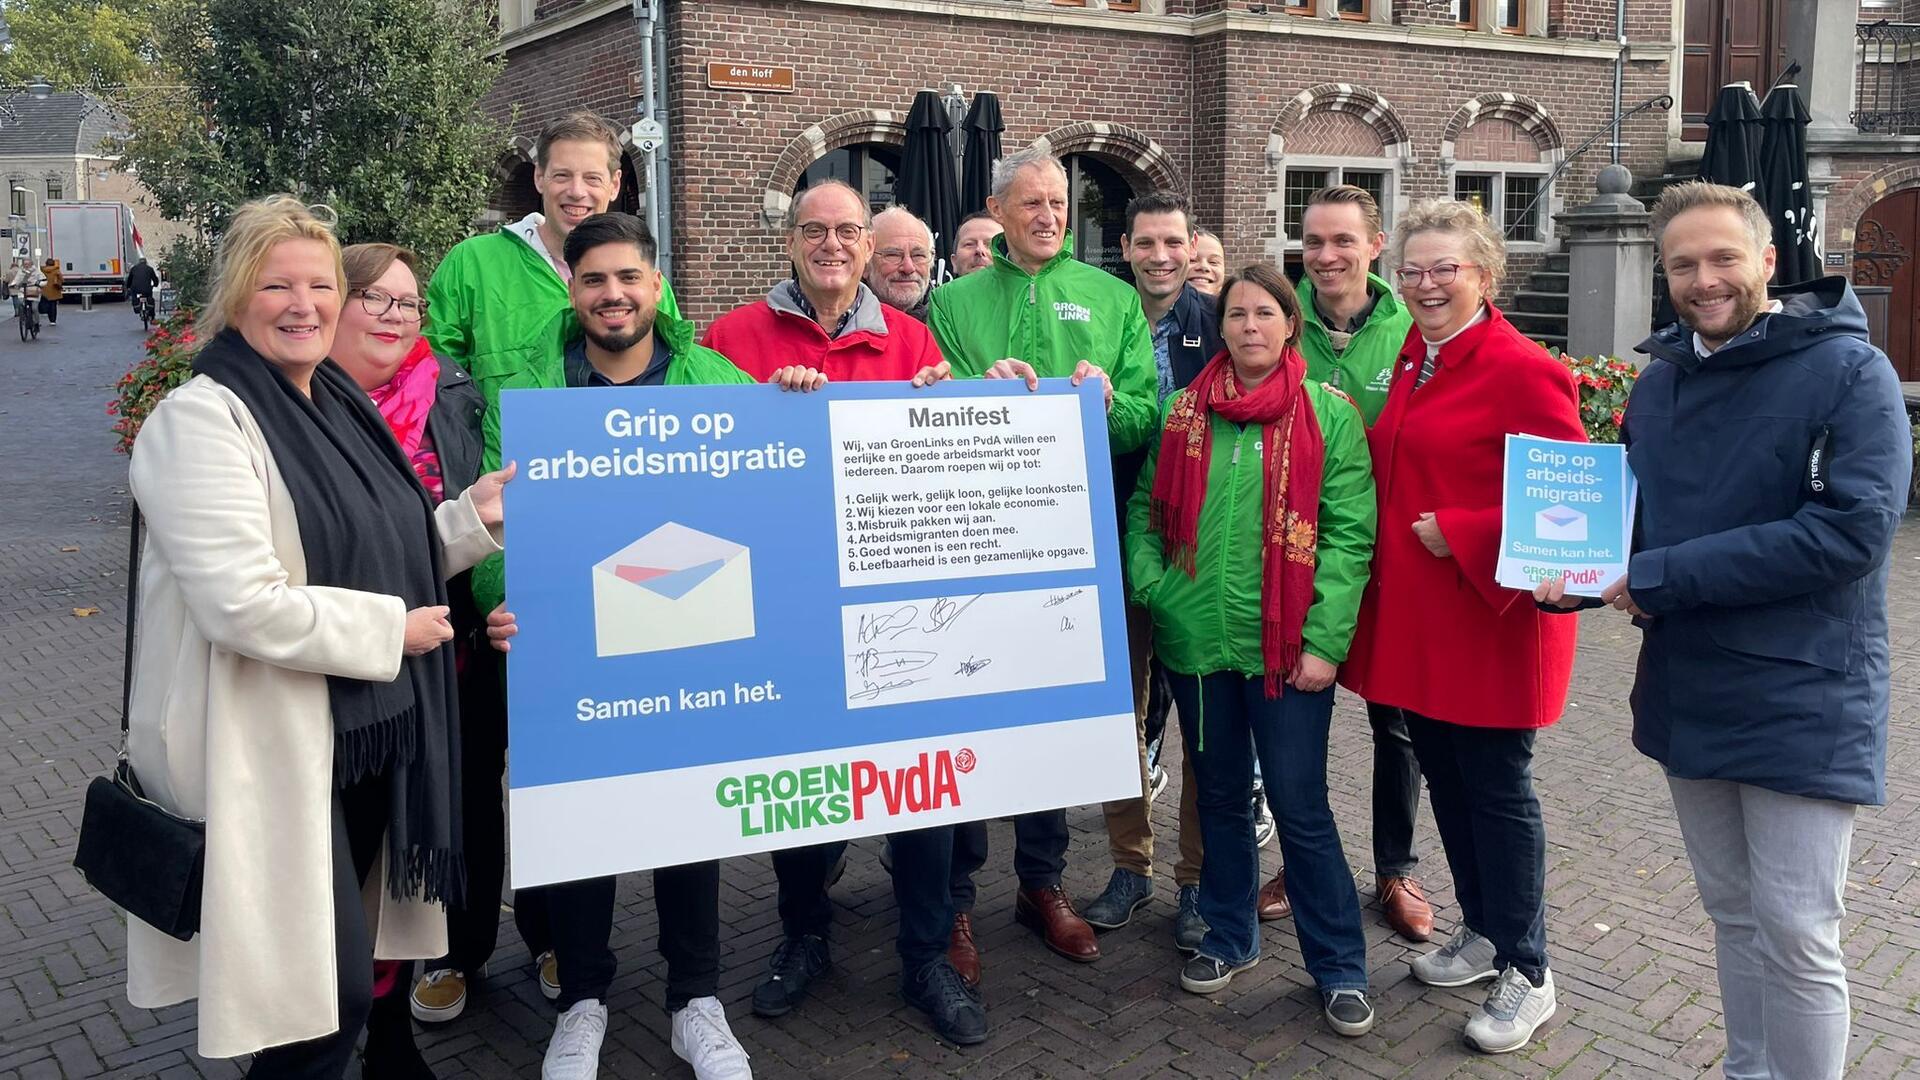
pixel 1247 106
pixel 58 147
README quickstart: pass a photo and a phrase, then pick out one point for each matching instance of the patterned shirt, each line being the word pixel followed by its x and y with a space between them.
pixel 1162 336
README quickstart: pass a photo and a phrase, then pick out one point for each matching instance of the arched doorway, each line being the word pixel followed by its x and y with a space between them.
pixel 519 196
pixel 870 168
pixel 1884 246
pixel 1097 196
pixel 628 201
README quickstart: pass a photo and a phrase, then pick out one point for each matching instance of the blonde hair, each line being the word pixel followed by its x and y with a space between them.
pixel 256 228
pixel 1695 194
pixel 1484 245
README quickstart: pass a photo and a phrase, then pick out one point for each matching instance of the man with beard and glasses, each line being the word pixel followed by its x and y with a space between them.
pixel 1774 458
pixel 901 273
pixel 627 339
pixel 826 325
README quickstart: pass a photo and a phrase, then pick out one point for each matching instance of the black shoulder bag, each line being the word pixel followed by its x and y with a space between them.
pixel 135 852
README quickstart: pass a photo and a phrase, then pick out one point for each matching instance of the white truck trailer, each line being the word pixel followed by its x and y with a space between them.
pixel 96 244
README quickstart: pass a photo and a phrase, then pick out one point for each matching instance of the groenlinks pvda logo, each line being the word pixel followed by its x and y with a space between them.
pixel 820 795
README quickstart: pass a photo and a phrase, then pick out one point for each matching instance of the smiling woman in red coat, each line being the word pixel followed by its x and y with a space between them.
pixel 1475 668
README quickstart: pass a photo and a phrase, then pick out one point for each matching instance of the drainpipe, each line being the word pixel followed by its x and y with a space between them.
pixel 1619 71
pixel 650 133
pixel 662 161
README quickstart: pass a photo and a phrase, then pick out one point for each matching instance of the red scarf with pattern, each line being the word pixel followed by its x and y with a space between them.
pixel 1292 453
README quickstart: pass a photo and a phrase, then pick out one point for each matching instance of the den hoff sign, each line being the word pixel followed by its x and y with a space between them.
pixel 755 78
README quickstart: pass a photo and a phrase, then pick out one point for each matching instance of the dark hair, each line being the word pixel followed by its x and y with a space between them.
pixel 1160 202
pixel 580 125
pixel 610 228
pixel 1275 283
pixel 977 215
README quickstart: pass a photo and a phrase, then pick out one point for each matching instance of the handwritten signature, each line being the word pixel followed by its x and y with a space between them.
pixel 1065 623
pixel 1060 598
pixel 873 689
pixel 883 662
pixel 891 624
pixel 971 666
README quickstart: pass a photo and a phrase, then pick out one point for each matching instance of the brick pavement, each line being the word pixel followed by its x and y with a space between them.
pixel 1630 946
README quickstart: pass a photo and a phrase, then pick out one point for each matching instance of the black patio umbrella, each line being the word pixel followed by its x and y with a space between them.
pixel 1784 189
pixel 928 183
pixel 1733 138
pixel 983 127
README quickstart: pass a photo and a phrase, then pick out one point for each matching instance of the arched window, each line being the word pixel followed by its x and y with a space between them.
pixel 628 201
pixel 1097 196
pixel 870 168
pixel 1330 147
pixel 1500 168
pixel 520 197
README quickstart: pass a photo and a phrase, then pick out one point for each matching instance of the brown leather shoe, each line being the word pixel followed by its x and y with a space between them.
pixel 962 953
pixel 1406 907
pixel 1049 913
pixel 1273 904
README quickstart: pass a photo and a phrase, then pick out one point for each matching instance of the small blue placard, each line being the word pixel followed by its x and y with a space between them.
pixel 1567 511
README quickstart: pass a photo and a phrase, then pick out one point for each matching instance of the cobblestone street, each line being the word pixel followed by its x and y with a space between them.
pixel 1631 948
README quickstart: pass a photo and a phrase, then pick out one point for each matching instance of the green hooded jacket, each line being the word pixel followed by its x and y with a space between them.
pixel 1365 369
pixel 689 364
pixel 1066 313
pixel 489 307
pixel 1211 621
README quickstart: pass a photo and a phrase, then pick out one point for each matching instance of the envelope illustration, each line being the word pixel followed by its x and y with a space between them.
pixel 672 589
pixel 1560 523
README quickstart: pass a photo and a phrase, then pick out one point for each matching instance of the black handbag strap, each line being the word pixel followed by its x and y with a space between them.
pixel 133 600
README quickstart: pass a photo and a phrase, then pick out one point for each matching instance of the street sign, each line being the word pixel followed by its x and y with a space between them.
pixel 754 78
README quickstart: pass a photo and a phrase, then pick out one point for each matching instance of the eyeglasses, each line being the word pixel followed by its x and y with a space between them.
pixel 376 303
pixel 920 256
pixel 848 232
pixel 1410 277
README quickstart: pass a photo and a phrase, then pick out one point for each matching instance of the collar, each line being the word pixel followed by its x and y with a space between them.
pixel 528 229
pixel 1700 347
pixel 865 314
pixel 1359 317
pixel 1434 347
pixel 581 372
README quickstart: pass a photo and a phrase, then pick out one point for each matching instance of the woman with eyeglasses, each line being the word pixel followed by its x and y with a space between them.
pixel 433 410
pixel 1475 667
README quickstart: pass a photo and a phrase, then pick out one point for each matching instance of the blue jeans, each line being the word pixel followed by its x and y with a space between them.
pixel 1480 784
pixel 1289 733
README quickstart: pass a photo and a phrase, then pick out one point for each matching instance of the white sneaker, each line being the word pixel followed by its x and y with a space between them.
pixel 1464 960
pixel 703 1040
pixel 1513 1011
pixel 574 1053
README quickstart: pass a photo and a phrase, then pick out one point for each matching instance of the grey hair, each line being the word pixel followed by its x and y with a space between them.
pixel 1009 167
pixel 1484 244
pixel 1695 194
pixel 898 209
pixel 793 206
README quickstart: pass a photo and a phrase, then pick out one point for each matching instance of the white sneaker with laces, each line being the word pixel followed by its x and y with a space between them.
pixel 1513 1011
pixel 703 1040
pixel 574 1053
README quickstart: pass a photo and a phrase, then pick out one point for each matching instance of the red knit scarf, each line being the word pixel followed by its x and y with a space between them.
pixel 1292 450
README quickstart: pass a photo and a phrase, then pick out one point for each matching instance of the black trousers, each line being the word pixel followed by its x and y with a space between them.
pixel 1039 854
pixel 923 859
pixel 359 826
pixel 1396 792
pixel 1480 783
pixel 575 920
pixel 473 921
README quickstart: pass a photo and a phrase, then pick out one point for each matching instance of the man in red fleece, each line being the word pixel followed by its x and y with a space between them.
pixel 826 320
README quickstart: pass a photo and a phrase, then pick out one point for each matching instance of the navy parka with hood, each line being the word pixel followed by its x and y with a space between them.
pixel 1773 475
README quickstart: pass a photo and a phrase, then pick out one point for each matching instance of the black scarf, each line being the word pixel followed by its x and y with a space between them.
pixel 367 524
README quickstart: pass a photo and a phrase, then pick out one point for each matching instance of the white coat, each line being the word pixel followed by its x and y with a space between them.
pixel 230 722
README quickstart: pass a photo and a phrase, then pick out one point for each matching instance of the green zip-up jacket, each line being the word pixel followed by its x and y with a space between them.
pixel 489 308
pixel 688 364
pixel 1066 313
pixel 1211 621
pixel 1365 369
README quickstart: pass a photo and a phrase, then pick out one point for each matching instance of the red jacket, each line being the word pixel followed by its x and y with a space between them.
pixel 1438 636
pixel 767 335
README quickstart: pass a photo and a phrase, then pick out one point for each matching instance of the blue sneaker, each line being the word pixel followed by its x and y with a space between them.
pixel 1188 927
pixel 1114 908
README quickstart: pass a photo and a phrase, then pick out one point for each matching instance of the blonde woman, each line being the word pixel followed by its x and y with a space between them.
pixel 290 686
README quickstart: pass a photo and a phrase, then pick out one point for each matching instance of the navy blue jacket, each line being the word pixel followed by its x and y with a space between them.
pixel 1765 653
pixel 1194 341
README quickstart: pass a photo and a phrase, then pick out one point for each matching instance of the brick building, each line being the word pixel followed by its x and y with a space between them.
pixel 1249 106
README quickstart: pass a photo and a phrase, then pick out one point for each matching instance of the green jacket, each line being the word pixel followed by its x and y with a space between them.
pixel 690 364
pixel 1066 313
pixel 1365 370
pixel 1211 621
pixel 489 308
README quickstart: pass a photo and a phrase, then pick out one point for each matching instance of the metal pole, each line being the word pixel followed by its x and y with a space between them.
pixel 643 15
pixel 662 159
pixel 1619 70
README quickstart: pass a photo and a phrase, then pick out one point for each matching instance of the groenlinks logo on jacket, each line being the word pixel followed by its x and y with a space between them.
pixel 820 795
pixel 1066 312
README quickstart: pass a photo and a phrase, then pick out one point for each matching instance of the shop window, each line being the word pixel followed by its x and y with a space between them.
pixel 1097 197
pixel 869 168
pixel 1513 201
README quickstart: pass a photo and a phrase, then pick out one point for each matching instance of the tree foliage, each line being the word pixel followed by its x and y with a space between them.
pixel 369 106
pixel 75 44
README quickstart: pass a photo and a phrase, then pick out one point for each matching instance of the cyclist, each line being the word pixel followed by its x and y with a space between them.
pixel 140 284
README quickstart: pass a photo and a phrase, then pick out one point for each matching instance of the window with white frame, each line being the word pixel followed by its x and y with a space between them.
pixel 1513 197
pixel 1304 176
pixel 18 206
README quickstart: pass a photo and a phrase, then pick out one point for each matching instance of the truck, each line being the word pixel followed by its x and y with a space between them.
pixel 95 243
